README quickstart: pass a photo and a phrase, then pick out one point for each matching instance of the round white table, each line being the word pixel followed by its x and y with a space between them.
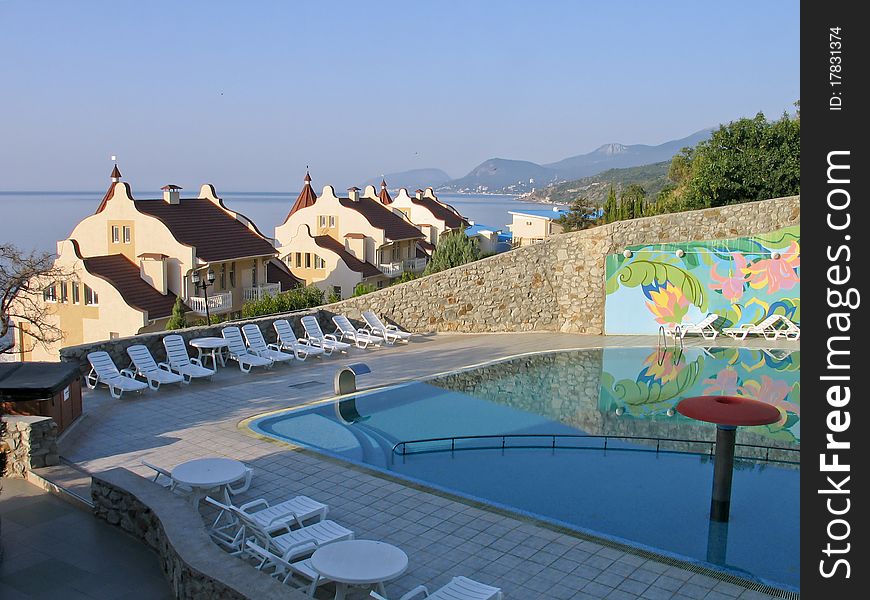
pixel 216 347
pixel 359 562
pixel 204 474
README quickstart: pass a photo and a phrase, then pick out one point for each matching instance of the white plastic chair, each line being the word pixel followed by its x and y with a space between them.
pixel 257 344
pixel 315 335
pixel 302 348
pixel 286 571
pixel 459 588
pixel 361 337
pixel 239 352
pixel 768 328
pixel 704 328
pixel 180 362
pixel 390 333
pixel 103 370
pixel 145 366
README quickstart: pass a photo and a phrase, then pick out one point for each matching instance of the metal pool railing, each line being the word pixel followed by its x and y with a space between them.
pixel 550 441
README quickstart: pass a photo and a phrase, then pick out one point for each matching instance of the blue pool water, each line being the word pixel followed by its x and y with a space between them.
pixel 629 492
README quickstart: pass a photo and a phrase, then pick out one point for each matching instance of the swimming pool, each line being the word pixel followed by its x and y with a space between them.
pixel 589 439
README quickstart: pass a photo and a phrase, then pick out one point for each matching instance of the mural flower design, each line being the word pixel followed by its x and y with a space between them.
pixel 661 369
pixel 668 303
pixel 774 392
pixel 731 286
pixel 776 273
pixel 725 383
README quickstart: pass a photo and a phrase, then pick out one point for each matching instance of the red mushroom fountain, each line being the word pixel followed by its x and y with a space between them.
pixel 728 413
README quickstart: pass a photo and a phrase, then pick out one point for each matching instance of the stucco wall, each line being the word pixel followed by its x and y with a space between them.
pixel 557 284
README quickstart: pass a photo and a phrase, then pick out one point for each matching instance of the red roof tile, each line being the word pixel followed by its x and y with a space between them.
pixel 385 195
pixel 200 223
pixel 277 272
pixel 441 212
pixel 306 198
pixel 352 262
pixel 124 276
pixel 393 226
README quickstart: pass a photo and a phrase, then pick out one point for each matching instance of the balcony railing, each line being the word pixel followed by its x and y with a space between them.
pixel 415 265
pixel 261 291
pixel 393 269
pixel 217 303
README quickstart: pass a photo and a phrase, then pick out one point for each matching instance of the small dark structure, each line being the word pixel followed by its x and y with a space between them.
pixel 42 389
pixel 345 378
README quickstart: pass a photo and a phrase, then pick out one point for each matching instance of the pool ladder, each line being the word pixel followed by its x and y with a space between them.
pixel 662 345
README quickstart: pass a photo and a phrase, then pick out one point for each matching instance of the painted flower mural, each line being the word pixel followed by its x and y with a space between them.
pixel 744 280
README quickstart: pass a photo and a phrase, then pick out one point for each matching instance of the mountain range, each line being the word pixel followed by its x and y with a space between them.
pixel 595 188
pixel 501 175
pixel 411 180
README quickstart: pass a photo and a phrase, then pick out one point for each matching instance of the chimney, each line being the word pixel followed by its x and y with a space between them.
pixel 418 194
pixel 171 194
pixel 353 193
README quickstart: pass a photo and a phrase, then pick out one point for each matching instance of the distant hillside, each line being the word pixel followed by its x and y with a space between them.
pixel 595 188
pixel 412 180
pixel 518 176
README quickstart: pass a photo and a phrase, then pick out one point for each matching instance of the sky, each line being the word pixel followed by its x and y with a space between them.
pixel 244 95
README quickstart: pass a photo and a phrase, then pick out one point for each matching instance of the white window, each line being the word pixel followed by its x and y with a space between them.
pixel 116 234
pixel 319 263
pixel 49 294
pixel 322 221
pixel 223 278
pixel 64 294
pixel 232 274
pixel 127 235
pixel 254 278
pixel 298 260
pixel 75 292
pixel 91 297
pixel 331 221
pixel 114 335
pixel 336 289
pixel 307 260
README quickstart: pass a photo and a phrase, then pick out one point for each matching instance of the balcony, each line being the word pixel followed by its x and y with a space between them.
pixel 415 265
pixel 217 303
pixel 393 269
pixel 261 291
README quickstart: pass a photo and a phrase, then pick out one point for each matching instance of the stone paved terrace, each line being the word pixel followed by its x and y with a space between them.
pixel 443 536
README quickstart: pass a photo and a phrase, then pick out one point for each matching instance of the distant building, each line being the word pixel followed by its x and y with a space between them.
pixel 531 226
pixel 489 239
pixel 133 258
pixel 433 217
pixel 337 243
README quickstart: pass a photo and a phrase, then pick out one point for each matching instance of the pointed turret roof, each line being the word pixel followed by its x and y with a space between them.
pixel 385 195
pixel 115 177
pixel 306 198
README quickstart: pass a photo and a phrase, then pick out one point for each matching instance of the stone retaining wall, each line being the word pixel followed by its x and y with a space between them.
pixel 555 285
pixel 29 443
pixel 194 566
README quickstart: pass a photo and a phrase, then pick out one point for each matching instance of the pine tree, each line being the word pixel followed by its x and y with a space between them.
pixel 176 321
pixel 453 249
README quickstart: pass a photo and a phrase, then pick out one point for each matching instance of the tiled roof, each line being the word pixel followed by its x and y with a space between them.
pixel 277 272
pixel 429 247
pixel 441 212
pixel 200 223
pixel 306 198
pixel 124 275
pixel 355 236
pixel 352 262
pixel 385 195
pixel 393 226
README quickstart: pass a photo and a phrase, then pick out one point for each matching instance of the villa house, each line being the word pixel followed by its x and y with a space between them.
pixel 132 258
pixel 423 209
pixel 531 226
pixel 338 243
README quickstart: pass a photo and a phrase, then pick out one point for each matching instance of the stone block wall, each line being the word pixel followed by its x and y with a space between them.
pixel 29 443
pixel 195 567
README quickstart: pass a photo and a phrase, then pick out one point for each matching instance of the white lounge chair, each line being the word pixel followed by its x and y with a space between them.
pixel 257 344
pixel 228 527
pixel 788 329
pixel 289 573
pixel 180 362
pixel 239 352
pixel 302 348
pixel 361 337
pixel 145 366
pixel 103 370
pixel 315 335
pixel 704 328
pixel 459 588
pixel 163 478
pixel 768 328
pixel 390 333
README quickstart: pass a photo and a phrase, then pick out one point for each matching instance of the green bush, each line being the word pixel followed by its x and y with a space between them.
pixel 362 289
pixel 453 250
pixel 177 321
pixel 295 299
pixel 404 278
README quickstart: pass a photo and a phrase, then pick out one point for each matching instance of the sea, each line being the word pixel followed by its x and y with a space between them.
pixel 37 220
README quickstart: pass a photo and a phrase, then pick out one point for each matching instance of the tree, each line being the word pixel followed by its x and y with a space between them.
pixel 453 250
pixel 177 321
pixel 611 209
pixel 746 160
pixel 23 279
pixel 362 289
pixel 583 214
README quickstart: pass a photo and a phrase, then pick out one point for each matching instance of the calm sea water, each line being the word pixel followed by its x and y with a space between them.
pixel 37 220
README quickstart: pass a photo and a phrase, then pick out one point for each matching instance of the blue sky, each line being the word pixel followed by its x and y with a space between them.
pixel 245 94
